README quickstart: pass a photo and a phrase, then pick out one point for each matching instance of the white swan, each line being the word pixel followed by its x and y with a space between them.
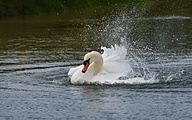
pixel 102 68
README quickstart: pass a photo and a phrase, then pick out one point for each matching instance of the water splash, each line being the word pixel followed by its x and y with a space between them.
pixel 118 28
pixel 162 42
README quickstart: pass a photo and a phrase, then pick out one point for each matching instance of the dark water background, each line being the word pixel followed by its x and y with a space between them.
pixel 36 54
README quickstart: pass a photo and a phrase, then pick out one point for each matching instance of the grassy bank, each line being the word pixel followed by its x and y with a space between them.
pixel 17 8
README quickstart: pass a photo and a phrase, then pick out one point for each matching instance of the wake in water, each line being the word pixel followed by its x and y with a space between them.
pixel 111 67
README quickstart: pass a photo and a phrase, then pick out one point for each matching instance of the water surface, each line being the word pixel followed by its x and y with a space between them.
pixel 36 54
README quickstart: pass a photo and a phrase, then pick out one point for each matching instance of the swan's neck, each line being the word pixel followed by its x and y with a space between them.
pixel 96 60
pixel 97 65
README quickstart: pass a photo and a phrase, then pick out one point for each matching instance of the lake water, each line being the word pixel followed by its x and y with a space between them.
pixel 36 54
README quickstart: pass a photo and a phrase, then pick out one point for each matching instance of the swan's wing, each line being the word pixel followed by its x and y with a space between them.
pixel 116 53
pixel 105 77
pixel 73 70
pixel 112 74
pixel 116 67
pixel 111 71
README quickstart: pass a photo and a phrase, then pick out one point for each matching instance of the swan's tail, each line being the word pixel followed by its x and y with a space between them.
pixel 115 53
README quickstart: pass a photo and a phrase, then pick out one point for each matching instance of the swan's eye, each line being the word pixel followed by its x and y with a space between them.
pixel 86 61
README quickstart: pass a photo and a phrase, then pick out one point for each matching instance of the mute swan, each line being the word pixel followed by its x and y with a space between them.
pixel 102 68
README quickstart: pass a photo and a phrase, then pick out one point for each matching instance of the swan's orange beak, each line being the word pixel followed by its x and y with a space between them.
pixel 86 65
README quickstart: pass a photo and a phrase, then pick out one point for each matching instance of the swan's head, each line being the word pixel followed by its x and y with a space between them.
pixel 94 58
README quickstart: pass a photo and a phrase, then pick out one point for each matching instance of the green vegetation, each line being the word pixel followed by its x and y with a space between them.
pixel 14 8
pixel 11 8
